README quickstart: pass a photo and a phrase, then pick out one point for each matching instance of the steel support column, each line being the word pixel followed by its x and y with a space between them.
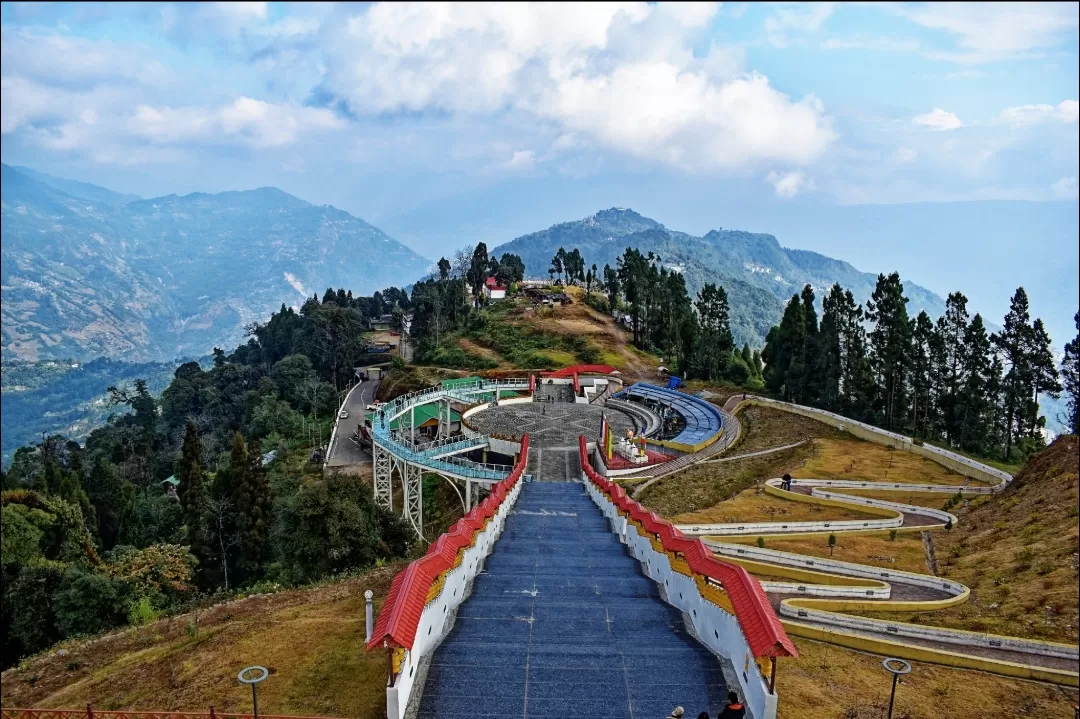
pixel 383 473
pixel 412 479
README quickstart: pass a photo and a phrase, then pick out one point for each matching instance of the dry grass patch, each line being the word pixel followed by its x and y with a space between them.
pixel 706 485
pixel 311 640
pixel 1018 551
pixel 917 499
pixel 905 552
pixel 474 349
pixel 765 428
pixel 753 505
pixel 829 682
pixel 865 461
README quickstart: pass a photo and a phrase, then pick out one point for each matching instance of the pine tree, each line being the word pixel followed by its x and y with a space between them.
pixel 251 497
pixel 1013 342
pixel 1044 374
pixel 891 343
pixel 951 327
pixel 192 493
pixel 975 403
pixel 782 346
pixel 715 340
pixel 808 384
pixel 922 372
pixel 1070 375
pixel 830 366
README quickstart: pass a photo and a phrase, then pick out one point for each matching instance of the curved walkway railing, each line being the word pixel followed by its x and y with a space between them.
pixel 382 417
pixel 730 612
pixel 829 589
pixel 419 608
pixel 957 462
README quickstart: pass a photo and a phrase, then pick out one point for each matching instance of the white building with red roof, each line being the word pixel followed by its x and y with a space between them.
pixel 493 290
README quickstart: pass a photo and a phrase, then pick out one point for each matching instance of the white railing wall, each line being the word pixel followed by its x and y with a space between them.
pixel 437 617
pixel 714 627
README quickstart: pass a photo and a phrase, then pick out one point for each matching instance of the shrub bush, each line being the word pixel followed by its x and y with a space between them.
pixel 88 603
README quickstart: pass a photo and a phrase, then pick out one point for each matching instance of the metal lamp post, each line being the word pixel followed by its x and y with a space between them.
pixel 252 676
pixel 896 667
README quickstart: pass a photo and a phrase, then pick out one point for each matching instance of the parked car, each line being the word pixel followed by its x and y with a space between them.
pixel 343 414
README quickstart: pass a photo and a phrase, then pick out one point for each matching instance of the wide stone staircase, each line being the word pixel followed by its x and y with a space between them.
pixel 562 624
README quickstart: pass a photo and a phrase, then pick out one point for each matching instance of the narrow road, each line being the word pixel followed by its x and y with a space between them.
pixel 345 452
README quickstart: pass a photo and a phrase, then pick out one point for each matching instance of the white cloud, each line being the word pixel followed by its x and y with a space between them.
pixel 622 75
pixel 938 119
pixel 1067 188
pixel 796 17
pixel 789 184
pixel 521 160
pixel 986 32
pixel 904 155
pixel 1067 111
pixel 73 61
pixel 251 122
pixel 243 10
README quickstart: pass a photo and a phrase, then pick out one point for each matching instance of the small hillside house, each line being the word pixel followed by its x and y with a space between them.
pixel 493 290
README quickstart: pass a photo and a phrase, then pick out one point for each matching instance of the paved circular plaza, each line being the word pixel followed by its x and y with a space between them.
pixel 550 425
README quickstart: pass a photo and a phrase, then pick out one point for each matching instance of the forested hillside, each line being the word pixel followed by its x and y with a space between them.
pixel 94 537
pixel 950 382
pixel 65 396
pixel 89 273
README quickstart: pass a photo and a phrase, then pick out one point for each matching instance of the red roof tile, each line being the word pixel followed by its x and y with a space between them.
pixel 400 615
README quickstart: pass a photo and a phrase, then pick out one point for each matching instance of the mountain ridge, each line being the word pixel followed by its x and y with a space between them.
pixel 758 273
pixel 157 278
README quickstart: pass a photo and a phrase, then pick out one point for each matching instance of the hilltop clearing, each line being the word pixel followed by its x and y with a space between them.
pixel 516 334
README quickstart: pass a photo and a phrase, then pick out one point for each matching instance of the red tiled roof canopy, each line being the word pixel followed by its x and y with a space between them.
pixel 400 614
pixel 760 626
pixel 580 369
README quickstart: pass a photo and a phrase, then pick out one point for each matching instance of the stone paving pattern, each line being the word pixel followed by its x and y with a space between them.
pixel 562 624
pixel 550 424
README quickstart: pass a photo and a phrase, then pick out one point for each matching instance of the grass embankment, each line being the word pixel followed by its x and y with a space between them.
pixel 752 505
pixel 856 460
pixel 1018 551
pixel 765 428
pixel 311 640
pixel 702 488
pixel 829 682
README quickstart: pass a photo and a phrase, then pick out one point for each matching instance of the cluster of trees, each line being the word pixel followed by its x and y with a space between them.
pixel 950 381
pixel 92 538
pixel 570 268
pixel 442 302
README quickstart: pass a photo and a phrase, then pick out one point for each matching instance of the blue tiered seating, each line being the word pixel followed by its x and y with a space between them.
pixel 703 420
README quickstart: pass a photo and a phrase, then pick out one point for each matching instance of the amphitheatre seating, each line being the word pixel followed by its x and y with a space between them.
pixel 703 420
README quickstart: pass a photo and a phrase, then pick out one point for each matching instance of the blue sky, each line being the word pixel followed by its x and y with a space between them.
pixel 772 115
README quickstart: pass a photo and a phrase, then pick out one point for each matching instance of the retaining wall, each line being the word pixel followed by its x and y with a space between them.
pixel 956 462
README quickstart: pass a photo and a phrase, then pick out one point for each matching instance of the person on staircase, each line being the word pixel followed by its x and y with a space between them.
pixel 734 708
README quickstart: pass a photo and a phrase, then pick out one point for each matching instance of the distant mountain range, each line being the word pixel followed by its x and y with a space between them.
pixel 88 272
pixel 758 274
